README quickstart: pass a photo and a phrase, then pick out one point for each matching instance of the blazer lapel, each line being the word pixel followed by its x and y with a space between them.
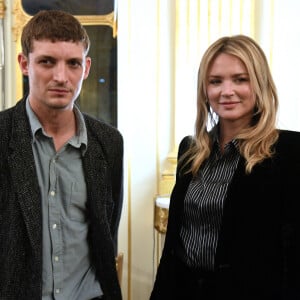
pixel 24 177
pixel 95 167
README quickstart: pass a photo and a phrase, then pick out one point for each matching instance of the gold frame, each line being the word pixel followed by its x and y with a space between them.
pixel 2 9
pixel 20 18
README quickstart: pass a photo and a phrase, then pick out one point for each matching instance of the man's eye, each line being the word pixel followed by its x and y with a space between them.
pixel 74 63
pixel 45 61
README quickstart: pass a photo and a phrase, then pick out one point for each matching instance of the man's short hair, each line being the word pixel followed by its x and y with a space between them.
pixel 54 25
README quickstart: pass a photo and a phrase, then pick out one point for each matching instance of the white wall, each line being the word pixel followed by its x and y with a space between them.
pixel 154 114
pixel 286 61
pixel 150 107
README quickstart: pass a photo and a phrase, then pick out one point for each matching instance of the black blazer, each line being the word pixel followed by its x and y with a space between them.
pixel 20 208
pixel 260 233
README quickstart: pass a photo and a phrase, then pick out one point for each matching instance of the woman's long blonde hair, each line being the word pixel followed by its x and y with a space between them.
pixel 256 141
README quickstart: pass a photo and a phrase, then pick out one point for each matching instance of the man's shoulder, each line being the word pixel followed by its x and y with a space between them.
pixel 6 118
pixel 8 113
pixel 101 129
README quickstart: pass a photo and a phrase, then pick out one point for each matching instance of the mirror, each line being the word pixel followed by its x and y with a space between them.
pixel 99 92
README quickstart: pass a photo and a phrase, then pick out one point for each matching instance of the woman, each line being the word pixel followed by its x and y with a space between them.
pixel 233 228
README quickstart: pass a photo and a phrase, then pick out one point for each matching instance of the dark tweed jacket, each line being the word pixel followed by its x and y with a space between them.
pixel 20 205
pixel 259 243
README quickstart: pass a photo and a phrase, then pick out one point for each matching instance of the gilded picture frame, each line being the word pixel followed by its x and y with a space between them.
pixel 20 18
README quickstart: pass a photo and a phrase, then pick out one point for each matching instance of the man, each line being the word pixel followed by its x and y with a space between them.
pixel 60 175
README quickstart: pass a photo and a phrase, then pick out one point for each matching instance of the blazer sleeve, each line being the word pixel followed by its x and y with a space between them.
pixel 289 155
pixel 117 189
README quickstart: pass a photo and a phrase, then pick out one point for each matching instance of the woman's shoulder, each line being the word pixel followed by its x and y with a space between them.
pixel 185 144
pixel 289 136
pixel 288 142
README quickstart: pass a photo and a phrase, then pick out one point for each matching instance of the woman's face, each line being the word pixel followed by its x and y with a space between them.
pixel 229 90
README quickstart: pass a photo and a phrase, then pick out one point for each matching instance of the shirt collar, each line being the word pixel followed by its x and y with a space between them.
pixel 214 134
pixel 77 141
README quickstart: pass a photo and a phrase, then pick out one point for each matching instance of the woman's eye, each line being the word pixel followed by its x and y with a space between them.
pixel 242 79
pixel 214 81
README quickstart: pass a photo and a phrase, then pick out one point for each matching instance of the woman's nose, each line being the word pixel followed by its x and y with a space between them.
pixel 227 89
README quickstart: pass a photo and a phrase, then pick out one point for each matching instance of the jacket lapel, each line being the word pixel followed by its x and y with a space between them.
pixel 24 177
pixel 95 167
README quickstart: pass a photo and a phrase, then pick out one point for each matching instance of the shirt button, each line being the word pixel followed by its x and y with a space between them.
pixel 52 193
pixel 56 258
pixel 57 291
pixel 54 226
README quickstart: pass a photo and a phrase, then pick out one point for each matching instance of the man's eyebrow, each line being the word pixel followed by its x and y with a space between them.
pixel 44 56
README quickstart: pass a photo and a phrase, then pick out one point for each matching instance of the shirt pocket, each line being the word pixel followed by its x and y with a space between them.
pixel 77 203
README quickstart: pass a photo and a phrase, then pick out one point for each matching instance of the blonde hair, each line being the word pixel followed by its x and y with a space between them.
pixel 256 141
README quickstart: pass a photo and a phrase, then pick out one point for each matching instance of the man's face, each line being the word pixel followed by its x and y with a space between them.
pixel 55 73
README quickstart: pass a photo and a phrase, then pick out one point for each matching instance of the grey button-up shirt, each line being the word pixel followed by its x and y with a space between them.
pixel 67 270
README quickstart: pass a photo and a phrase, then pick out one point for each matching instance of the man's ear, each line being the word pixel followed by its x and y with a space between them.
pixel 23 63
pixel 88 62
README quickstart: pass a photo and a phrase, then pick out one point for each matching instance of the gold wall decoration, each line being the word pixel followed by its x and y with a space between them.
pixel 166 184
pixel 161 213
pixel 2 9
pixel 161 219
pixel 168 175
pixel 21 18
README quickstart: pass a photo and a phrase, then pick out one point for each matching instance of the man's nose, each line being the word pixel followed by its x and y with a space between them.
pixel 60 73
